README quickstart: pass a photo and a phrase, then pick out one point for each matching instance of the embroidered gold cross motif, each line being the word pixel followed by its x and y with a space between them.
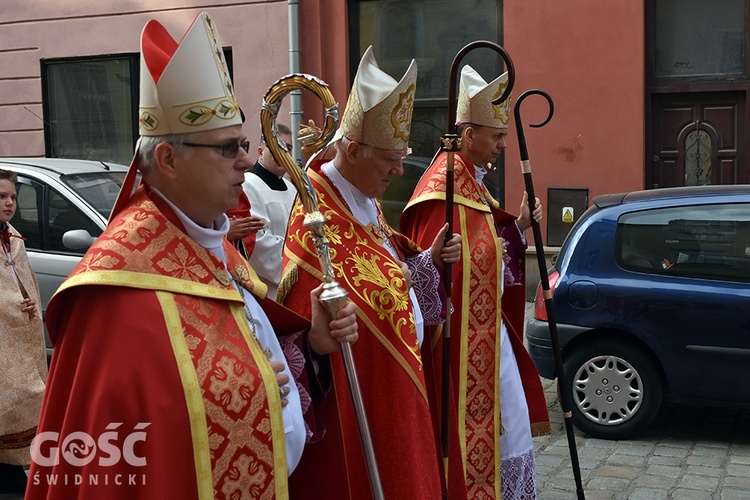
pixel 384 228
pixel 222 277
pixel 241 274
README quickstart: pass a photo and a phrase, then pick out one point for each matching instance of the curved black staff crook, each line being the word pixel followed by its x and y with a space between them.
pixel 451 143
pixel 526 170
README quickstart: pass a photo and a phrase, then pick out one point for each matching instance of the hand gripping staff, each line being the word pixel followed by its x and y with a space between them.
pixel 451 143
pixel 526 170
pixel 334 296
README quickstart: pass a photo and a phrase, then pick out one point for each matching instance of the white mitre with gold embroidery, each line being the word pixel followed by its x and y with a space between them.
pixel 185 86
pixel 378 112
pixel 475 100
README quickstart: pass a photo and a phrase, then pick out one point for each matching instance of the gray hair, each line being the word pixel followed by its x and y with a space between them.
pixel 148 147
pixel 342 144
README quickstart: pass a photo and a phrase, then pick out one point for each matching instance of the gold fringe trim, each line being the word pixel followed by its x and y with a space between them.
pixel 541 429
pixel 501 429
pixel 288 280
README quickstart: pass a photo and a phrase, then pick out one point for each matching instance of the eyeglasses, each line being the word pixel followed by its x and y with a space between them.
pixel 228 149
pixel 391 156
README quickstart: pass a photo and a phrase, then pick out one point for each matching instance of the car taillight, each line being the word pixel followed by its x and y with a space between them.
pixel 540 310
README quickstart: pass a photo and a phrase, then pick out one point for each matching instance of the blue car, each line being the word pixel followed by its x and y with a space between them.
pixel 651 298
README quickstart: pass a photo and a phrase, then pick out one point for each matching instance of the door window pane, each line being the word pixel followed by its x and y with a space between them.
pixel 64 217
pixel 699 38
pixel 90 109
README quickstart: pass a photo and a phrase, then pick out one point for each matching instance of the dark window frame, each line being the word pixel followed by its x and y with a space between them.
pixel 133 58
pixel 692 83
pixel 134 76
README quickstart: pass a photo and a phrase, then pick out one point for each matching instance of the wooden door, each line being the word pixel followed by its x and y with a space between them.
pixel 697 138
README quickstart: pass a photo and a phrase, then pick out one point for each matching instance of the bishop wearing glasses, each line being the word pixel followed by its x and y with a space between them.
pixel 174 376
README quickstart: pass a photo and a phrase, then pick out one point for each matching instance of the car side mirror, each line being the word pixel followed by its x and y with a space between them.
pixel 77 239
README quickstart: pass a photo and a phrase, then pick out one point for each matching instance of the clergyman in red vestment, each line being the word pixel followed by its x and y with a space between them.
pixel 498 395
pixel 378 267
pixel 168 379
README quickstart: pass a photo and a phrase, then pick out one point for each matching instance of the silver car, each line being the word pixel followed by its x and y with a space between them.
pixel 63 205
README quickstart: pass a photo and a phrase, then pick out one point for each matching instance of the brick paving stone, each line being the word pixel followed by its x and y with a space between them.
pixel 731 494
pixel 702 483
pixel 548 460
pixel 700 450
pixel 600 495
pixel 738 470
pixel 741 483
pixel 640 450
pixel 671 451
pixel 654 481
pixel 663 470
pixel 593 453
pixel 601 443
pixel 589 463
pixel 557 495
pixel 668 461
pixel 621 471
pixel 703 470
pixel 683 494
pixel 560 451
pixel 625 460
pixel 647 494
pixel 608 484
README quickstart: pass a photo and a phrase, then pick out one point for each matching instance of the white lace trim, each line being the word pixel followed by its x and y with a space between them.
pixel 518 474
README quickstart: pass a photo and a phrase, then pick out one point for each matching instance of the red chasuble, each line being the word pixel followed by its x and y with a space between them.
pixel 158 388
pixel 476 321
pixel 387 358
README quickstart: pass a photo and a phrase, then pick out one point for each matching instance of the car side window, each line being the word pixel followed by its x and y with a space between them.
pixel 26 220
pixel 707 241
pixel 63 217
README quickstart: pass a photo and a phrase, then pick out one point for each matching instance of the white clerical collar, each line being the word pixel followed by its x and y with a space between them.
pixel 362 206
pixel 479 173
pixel 209 238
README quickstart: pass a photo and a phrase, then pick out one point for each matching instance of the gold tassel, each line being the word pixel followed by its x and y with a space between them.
pixel 541 429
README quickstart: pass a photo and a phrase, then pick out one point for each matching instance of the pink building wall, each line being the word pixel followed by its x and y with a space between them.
pixel 590 58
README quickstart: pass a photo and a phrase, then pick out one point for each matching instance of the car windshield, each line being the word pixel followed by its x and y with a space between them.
pixel 98 189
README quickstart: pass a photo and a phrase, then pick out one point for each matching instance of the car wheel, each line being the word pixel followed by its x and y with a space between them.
pixel 615 389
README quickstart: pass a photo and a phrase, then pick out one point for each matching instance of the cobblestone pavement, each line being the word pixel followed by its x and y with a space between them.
pixel 688 453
